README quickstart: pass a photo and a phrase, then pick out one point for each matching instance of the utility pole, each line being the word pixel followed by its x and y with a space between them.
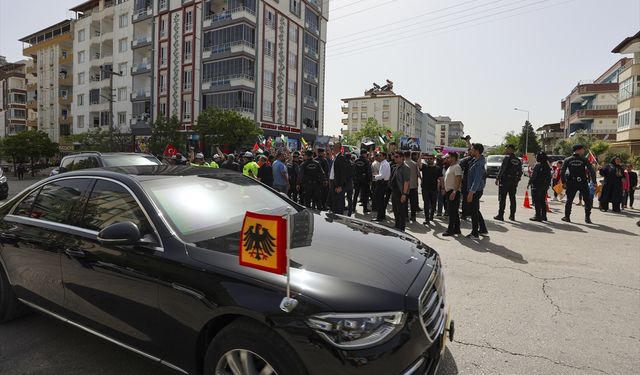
pixel 526 137
pixel 110 99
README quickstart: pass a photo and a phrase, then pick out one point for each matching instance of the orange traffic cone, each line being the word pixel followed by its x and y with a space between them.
pixel 546 201
pixel 527 204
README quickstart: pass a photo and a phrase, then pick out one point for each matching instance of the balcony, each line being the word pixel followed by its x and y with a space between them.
pixel 140 95
pixel 212 20
pixel 141 14
pixel 141 41
pixel 32 69
pixel 228 81
pixel 65 80
pixel 345 109
pixel 32 86
pixel 313 28
pixel 141 68
pixel 308 100
pixel 582 115
pixel 64 120
pixel 66 60
pixel 583 90
pixel 233 47
pixel 552 135
pixel 64 100
pixel 310 77
pixel 32 104
pixel 309 52
pixel 345 121
pixel 32 123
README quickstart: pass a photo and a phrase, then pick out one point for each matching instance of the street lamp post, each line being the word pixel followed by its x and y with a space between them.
pixel 526 137
pixel 111 124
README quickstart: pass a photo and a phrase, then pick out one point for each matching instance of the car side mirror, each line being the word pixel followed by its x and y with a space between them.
pixel 119 234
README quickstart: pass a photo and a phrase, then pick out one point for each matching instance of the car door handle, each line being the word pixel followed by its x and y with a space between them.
pixel 74 253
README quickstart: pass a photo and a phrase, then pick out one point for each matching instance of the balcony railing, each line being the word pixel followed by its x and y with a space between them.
pixel 142 67
pixel 64 120
pixel 232 14
pixel 141 95
pixel 141 14
pixel 312 28
pixel 310 100
pixel 229 80
pixel 141 41
pixel 310 77
pixel 309 51
pixel 232 47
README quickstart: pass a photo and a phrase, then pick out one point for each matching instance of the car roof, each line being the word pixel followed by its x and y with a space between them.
pixel 98 153
pixel 150 172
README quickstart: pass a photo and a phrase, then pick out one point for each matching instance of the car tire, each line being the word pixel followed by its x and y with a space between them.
pixel 248 336
pixel 10 307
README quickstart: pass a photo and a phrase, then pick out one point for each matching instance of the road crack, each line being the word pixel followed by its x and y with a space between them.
pixel 486 345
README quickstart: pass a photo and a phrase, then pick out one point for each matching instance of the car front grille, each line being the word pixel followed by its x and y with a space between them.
pixel 432 304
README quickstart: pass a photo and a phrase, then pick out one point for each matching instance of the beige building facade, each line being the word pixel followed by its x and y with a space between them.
pixel 628 106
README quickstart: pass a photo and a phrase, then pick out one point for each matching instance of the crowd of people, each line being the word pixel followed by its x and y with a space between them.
pixel 451 185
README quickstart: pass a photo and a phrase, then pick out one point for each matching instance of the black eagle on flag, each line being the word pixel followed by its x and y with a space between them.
pixel 259 242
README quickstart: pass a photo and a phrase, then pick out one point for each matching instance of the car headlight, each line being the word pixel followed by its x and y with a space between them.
pixel 357 331
pixel 3 179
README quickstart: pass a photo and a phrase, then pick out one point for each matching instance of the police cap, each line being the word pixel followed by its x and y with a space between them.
pixel 577 147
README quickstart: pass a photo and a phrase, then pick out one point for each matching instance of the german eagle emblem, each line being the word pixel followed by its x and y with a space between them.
pixel 259 242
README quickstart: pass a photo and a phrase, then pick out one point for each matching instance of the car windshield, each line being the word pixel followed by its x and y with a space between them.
pixel 128 160
pixel 204 207
pixel 495 159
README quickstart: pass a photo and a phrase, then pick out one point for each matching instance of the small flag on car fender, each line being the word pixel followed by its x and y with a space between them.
pixel 263 243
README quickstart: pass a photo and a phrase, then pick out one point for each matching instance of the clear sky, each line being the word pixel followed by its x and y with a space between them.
pixel 472 60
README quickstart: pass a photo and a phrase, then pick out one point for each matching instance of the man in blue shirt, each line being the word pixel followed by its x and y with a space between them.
pixel 280 174
pixel 475 187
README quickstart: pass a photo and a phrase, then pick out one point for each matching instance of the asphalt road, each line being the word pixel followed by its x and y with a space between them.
pixel 531 298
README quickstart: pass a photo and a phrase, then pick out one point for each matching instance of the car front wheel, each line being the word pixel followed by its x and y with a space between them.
pixel 10 307
pixel 248 347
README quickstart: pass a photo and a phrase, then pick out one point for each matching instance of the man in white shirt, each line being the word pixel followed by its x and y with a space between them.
pixel 452 186
pixel 382 182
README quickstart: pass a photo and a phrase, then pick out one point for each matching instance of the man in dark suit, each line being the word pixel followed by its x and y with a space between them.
pixel 338 179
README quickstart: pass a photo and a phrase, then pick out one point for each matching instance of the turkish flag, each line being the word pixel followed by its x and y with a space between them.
pixel 169 150
pixel 591 158
pixel 525 158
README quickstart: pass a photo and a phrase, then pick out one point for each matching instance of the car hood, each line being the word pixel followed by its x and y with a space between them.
pixel 348 264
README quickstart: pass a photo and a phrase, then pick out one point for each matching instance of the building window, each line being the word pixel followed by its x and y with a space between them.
pixel 188 21
pixel 187 50
pixel 268 48
pixel 81 35
pixel 293 33
pixel 122 68
pixel 293 60
pixel 267 109
pixel 363 115
pixel 625 90
pixel 81 78
pixel 163 109
pixel 80 100
pixel 122 45
pixel 81 57
pixel 162 84
pixel 270 19
pixel 186 110
pixel 163 4
pixel 385 102
pixel 294 6
pixel 186 80
pixel 123 20
pixel 122 94
pixel 291 115
pixel 80 121
pixel 268 79
pixel 292 87
pixel 309 118
pixel 385 114
pixel 122 118
pixel 354 115
pixel 163 27
pixel 163 55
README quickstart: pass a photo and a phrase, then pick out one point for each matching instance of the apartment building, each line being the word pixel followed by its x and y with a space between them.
pixel 13 98
pixel 549 135
pixel 265 59
pixel 591 107
pixel 390 110
pixel 51 51
pixel 447 130
pixel 428 141
pixel 628 106
pixel 102 50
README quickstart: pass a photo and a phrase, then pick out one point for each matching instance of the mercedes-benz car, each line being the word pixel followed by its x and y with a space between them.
pixel 147 258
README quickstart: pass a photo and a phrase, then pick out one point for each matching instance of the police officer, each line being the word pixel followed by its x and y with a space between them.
pixel 361 178
pixel 310 179
pixel 574 178
pixel 507 181
pixel 293 170
pixel 324 188
pixel 250 167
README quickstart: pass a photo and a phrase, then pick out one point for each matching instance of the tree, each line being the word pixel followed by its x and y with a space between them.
pixel 164 132
pixel 510 138
pixel 459 143
pixel 93 140
pixel 30 145
pixel 222 126
pixel 599 148
pixel 372 130
pixel 528 143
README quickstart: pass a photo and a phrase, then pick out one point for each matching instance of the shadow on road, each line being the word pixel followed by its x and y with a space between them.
pixel 484 245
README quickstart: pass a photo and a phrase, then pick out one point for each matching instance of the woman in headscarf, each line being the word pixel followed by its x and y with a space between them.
pixel 612 187
pixel 539 182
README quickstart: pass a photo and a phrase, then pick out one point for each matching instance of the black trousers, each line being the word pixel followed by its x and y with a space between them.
pixel 312 196
pixel 350 206
pixel 325 196
pixel 538 196
pixel 430 199
pixel 463 202
pixel 293 192
pixel 413 200
pixel 454 213
pixel 572 189
pixel 630 195
pixel 507 188
pixel 399 210
pixel 381 190
pixel 336 200
pixel 361 189
pixel 477 221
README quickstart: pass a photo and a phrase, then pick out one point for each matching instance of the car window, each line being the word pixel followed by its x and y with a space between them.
pixel 84 162
pixel 57 200
pixel 111 203
pixel 24 208
pixel 67 164
pixel 495 159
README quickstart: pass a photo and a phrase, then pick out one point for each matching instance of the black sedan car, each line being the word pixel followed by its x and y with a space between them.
pixel 147 258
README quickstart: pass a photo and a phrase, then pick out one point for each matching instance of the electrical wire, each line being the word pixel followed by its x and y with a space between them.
pixel 363 10
pixel 346 5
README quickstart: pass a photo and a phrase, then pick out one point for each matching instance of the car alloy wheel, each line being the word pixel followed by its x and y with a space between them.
pixel 243 362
